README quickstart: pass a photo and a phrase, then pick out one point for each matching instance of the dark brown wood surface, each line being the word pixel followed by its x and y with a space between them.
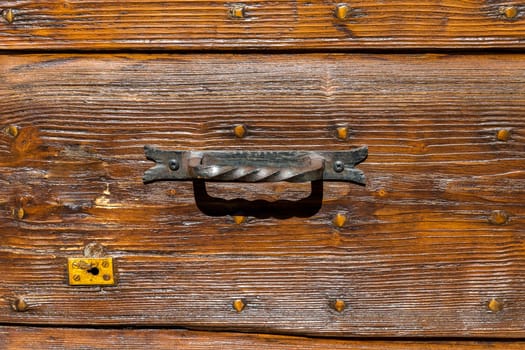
pixel 432 246
pixel 12 338
pixel 195 25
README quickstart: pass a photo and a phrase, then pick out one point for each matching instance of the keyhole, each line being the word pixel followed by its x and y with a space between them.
pixel 94 271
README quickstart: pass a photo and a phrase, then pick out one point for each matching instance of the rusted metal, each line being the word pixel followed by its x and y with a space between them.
pixel 256 166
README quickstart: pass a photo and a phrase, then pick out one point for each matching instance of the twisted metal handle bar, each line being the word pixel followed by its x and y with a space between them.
pixel 312 170
pixel 255 166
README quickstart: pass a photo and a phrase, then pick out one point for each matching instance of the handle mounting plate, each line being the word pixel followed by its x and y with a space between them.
pixel 256 166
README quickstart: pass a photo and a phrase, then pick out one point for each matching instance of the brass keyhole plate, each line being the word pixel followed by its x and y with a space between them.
pixel 90 271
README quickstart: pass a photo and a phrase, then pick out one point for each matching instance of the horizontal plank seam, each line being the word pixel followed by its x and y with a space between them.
pixel 272 51
pixel 400 339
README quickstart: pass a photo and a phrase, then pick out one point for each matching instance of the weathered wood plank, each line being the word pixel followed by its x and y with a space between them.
pixel 304 24
pixel 158 339
pixel 435 235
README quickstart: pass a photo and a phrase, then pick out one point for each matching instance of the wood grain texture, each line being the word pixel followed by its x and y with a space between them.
pixel 305 24
pixel 436 234
pixel 101 339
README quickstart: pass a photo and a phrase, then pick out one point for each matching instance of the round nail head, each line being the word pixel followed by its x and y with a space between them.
pixel 239 219
pixel 503 135
pixel 12 130
pixel 499 217
pixel 174 165
pixel 339 220
pixel 342 133
pixel 239 131
pixel 238 305
pixel 237 11
pixel 339 166
pixel 509 11
pixel 339 305
pixel 20 305
pixel 8 15
pixel 495 305
pixel 342 11
pixel 94 250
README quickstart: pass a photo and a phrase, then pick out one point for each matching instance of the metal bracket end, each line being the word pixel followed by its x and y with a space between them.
pixel 161 158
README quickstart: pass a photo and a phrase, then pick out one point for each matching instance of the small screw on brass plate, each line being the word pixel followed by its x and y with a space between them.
pixel 237 11
pixel 238 305
pixel 8 15
pixel 90 271
pixel 342 11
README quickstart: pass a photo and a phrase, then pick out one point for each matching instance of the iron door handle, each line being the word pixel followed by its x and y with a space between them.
pixel 256 166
